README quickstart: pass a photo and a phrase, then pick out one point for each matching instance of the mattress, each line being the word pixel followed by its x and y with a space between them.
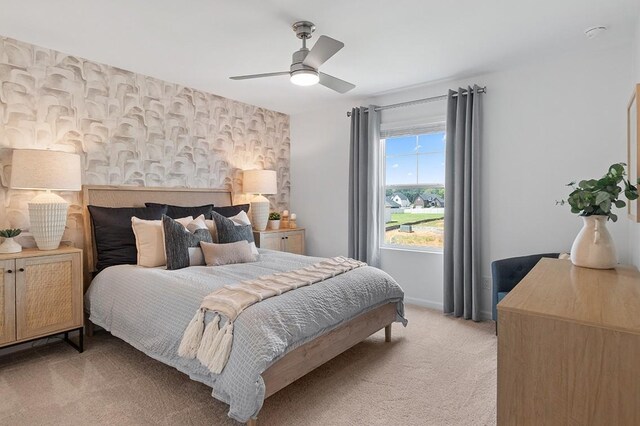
pixel 149 308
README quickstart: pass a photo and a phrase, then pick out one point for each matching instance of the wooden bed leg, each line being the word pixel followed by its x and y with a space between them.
pixel 387 333
pixel 252 422
pixel 88 326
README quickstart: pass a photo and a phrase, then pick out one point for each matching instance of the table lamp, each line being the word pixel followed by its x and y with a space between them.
pixel 259 182
pixel 51 171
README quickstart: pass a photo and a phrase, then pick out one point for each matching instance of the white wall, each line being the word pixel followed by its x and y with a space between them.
pixel 545 124
pixel 634 228
pixel 320 177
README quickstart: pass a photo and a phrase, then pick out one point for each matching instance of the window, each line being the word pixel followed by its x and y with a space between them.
pixel 413 176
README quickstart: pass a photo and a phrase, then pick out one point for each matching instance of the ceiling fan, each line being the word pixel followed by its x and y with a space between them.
pixel 305 62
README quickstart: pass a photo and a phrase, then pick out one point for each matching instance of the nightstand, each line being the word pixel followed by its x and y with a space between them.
pixel 290 240
pixel 40 295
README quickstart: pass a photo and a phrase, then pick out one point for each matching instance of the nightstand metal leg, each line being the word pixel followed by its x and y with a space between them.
pixel 77 346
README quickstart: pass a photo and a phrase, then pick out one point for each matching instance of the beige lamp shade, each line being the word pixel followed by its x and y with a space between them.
pixel 42 169
pixel 259 182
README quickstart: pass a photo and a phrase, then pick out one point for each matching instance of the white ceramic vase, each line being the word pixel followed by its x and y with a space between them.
pixel 593 247
pixel 10 246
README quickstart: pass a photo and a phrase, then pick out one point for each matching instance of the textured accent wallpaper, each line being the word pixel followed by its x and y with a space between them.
pixel 130 129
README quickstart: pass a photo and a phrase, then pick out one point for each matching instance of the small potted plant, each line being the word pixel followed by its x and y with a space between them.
pixel 274 220
pixel 9 245
pixel 593 200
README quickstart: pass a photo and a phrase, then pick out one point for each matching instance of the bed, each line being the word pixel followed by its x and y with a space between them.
pixel 276 341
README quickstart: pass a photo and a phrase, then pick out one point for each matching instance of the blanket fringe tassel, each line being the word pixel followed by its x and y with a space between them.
pixel 209 340
pixel 222 351
pixel 192 336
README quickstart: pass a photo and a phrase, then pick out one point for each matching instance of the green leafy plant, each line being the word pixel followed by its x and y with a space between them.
pixel 274 216
pixel 598 196
pixel 10 233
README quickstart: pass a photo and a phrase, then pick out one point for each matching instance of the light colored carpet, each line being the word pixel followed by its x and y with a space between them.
pixel 437 371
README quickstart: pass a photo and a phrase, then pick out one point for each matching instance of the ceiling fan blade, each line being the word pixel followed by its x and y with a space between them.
pixel 324 49
pixel 334 83
pixel 269 74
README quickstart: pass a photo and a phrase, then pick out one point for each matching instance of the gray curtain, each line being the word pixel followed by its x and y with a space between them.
pixel 364 186
pixel 462 222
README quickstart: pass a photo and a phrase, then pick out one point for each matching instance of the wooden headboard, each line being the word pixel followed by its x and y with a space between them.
pixel 136 196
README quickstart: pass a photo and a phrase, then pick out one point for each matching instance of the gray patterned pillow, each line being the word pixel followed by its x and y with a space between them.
pixel 229 232
pixel 177 240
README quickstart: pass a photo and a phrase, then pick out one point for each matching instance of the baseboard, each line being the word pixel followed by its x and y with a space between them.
pixel 423 302
pixel 484 315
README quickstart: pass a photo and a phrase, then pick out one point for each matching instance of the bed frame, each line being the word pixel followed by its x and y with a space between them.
pixel 294 364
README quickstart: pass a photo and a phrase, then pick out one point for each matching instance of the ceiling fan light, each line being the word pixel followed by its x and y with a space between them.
pixel 305 77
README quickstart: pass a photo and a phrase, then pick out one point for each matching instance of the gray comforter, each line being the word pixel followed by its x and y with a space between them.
pixel 149 308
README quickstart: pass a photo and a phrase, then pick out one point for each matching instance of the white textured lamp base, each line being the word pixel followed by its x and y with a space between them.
pixel 48 217
pixel 259 212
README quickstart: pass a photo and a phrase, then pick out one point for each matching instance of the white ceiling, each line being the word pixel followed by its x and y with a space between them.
pixel 389 44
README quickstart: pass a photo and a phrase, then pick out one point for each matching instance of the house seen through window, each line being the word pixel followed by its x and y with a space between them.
pixel 414 188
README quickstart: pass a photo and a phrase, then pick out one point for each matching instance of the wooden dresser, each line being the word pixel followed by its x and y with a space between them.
pixel 569 347
pixel 40 295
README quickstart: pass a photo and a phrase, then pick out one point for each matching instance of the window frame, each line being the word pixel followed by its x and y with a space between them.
pixel 427 128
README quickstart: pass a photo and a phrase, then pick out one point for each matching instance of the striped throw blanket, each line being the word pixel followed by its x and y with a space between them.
pixel 212 345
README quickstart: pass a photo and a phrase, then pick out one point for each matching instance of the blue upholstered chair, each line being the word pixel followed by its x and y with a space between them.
pixel 507 273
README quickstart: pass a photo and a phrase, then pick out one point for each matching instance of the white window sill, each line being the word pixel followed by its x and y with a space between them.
pixel 427 250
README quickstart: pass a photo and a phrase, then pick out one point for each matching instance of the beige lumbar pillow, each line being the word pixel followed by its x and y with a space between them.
pixel 150 240
pixel 226 254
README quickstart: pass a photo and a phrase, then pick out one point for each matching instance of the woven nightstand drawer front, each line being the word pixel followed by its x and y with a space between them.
pixel 48 294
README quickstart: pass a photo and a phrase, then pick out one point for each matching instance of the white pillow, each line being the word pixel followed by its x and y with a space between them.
pixel 196 257
pixel 238 220
pixel 150 240
pixel 241 218
pixel 197 223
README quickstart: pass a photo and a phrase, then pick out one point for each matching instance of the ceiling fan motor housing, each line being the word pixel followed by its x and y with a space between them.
pixel 297 58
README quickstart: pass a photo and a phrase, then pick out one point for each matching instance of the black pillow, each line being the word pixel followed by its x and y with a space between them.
pixel 229 211
pixel 114 238
pixel 177 240
pixel 176 212
pixel 229 232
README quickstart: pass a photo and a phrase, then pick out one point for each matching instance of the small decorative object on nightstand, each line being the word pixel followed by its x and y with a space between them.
pixel 9 245
pixel 52 171
pixel 40 295
pixel 259 182
pixel 274 220
pixel 292 221
pixel 284 222
pixel 289 240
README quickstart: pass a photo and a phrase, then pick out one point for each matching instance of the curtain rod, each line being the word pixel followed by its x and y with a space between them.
pixel 421 101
